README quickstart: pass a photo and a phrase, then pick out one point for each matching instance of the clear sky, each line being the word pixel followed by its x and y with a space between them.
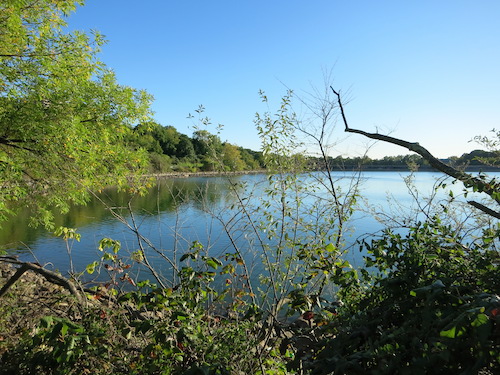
pixel 426 71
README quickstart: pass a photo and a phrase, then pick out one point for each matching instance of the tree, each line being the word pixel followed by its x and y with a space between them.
pixel 478 157
pixel 252 159
pixel 206 143
pixel 168 137
pixel 231 157
pixel 142 137
pixel 63 117
pixel 185 148
pixel 492 144
pixel 208 147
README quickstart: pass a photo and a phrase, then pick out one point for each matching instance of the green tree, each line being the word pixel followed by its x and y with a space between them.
pixel 63 117
pixel 252 159
pixel 168 137
pixel 231 157
pixel 142 137
pixel 206 143
pixel 185 148
pixel 491 143
pixel 208 147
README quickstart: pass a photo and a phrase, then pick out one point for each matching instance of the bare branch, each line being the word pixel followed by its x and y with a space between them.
pixel 49 275
pixel 468 180
pixel 485 209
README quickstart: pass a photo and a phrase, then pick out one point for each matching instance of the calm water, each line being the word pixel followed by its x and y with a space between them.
pixel 177 212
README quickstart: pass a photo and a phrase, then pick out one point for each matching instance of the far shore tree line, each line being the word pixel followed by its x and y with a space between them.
pixel 475 160
pixel 172 151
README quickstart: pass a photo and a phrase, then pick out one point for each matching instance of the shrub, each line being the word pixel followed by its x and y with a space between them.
pixel 432 307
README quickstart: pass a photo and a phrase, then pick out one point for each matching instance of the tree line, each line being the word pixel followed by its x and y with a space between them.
pixel 474 160
pixel 172 151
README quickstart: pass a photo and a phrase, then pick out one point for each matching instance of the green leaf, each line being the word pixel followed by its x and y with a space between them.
pixel 72 343
pixel 179 315
pixel 450 333
pixel 46 321
pixel 91 267
pixel 109 243
pixel 330 248
pixel 74 116
pixel 213 262
pixel 67 233
pixel 108 256
pixel 64 329
pixel 480 320
pixel 127 333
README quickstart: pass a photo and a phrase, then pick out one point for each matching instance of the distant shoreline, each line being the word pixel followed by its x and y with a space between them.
pixel 204 174
pixel 367 168
pixel 396 168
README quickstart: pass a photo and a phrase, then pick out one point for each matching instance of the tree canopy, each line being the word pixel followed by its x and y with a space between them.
pixel 64 118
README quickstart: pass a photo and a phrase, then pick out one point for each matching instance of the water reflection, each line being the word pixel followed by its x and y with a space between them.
pixel 176 212
pixel 167 196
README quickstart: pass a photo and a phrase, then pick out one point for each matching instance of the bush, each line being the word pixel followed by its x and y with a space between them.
pixel 432 307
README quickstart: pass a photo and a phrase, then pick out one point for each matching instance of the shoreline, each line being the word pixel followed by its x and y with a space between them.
pixel 204 174
pixel 264 171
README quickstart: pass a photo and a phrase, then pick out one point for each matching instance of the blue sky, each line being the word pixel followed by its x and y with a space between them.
pixel 425 71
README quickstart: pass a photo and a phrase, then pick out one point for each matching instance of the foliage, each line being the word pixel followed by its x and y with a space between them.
pixel 431 306
pixel 148 330
pixel 231 157
pixel 305 214
pixel 170 150
pixel 426 302
pixel 143 137
pixel 64 119
pixel 160 163
pixel 188 336
pixel 492 145
pixel 280 144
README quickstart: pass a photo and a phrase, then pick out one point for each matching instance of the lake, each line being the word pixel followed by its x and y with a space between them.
pixel 225 214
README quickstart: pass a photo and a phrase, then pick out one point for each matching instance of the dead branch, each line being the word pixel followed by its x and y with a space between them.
pixel 485 209
pixel 50 276
pixel 20 271
pixel 467 179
